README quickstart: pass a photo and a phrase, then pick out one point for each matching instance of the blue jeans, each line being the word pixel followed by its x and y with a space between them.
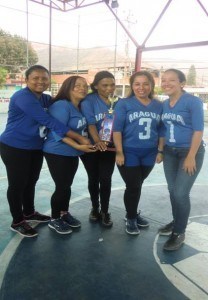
pixel 180 183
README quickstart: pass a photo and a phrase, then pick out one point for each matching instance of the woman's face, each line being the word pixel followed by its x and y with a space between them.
pixel 105 87
pixel 80 90
pixel 141 87
pixel 170 83
pixel 38 81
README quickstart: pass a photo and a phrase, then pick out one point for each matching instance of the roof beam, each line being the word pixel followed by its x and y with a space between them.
pixel 175 46
pixel 67 5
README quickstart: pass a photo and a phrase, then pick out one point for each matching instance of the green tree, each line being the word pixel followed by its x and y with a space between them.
pixel 3 74
pixel 191 77
pixel 13 52
pixel 158 90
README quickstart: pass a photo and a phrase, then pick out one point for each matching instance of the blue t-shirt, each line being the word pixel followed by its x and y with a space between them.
pixel 68 114
pixel 139 124
pixel 28 119
pixel 181 120
pixel 94 109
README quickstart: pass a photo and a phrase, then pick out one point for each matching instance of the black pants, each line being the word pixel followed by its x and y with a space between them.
pixel 133 178
pixel 23 169
pixel 62 170
pixel 99 167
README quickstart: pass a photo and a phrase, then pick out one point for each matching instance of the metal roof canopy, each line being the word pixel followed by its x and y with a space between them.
pixel 67 5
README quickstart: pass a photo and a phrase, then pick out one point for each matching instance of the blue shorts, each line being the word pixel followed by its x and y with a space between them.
pixel 140 156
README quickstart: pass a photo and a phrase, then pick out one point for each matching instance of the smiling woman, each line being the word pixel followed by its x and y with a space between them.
pixel 139 142
pixel 62 154
pixel 183 118
pixel 21 147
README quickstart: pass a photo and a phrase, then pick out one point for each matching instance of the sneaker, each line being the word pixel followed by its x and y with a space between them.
pixel 60 226
pixel 106 219
pixel 37 217
pixel 141 222
pixel 167 229
pixel 132 227
pixel 24 229
pixel 71 221
pixel 94 215
pixel 174 242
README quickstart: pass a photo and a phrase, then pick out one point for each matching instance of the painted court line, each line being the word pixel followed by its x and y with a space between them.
pixel 181 275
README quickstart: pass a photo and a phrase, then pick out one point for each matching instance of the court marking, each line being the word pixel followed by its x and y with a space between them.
pixel 176 274
pixel 11 247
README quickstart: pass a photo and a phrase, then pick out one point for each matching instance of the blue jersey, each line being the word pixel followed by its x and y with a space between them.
pixel 139 124
pixel 69 115
pixel 181 120
pixel 27 120
pixel 94 109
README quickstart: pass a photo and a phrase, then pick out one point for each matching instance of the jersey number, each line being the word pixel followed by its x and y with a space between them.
pixel 146 134
pixel 171 139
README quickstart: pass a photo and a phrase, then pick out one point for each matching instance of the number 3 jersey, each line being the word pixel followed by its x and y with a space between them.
pixel 139 124
pixel 181 120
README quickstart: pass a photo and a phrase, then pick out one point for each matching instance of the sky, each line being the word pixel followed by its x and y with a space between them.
pixel 95 26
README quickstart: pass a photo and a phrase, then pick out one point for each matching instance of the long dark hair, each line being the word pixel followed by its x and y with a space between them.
pixel 150 79
pixel 67 86
pixel 99 76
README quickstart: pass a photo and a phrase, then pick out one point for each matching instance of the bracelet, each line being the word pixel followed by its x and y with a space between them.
pixel 159 151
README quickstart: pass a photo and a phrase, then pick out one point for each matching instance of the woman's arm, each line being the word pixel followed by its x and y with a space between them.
pixel 159 157
pixel 189 165
pixel 74 144
pixel 117 139
pixel 78 138
pixel 100 145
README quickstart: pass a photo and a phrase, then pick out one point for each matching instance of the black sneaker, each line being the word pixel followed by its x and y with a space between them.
pixel 37 217
pixel 106 219
pixel 132 226
pixel 24 229
pixel 72 221
pixel 60 226
pixel 94 215
pixel 141 222
pixel 174 242
pixel 167 229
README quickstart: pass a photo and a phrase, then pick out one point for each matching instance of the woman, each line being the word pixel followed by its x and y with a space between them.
pixel 21 147
pixel 183 151
pixel 99 165
pixel 62 154
pixel 138 145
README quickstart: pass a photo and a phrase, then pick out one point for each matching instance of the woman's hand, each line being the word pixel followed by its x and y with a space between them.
pixel 102 146
pixel 120 158
pixel 159 158
pixel 189 165
pixel 87 148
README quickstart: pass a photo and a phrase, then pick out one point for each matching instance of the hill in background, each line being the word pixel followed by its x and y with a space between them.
pixel 65 59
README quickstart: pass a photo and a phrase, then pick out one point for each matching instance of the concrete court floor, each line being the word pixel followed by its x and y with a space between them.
pixel 95 263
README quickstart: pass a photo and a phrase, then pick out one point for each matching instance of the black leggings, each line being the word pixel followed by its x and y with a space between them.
pixel 23 169
pixel 99 167
pixel 133 178
pixel 62 170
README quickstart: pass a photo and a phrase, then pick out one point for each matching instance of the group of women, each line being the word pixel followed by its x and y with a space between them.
pixel 69 127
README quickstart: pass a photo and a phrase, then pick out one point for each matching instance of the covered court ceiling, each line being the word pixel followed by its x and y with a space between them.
pixel 68 5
